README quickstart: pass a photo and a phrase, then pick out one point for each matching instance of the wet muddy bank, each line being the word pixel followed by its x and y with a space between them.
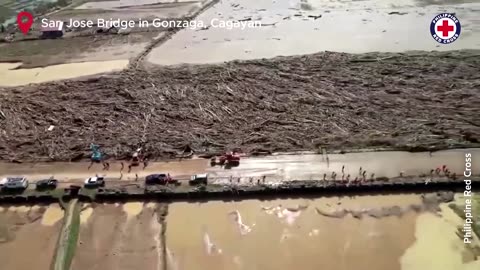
pixel 47 52
pixel 15 74
pixel 430 202
pixel 373 103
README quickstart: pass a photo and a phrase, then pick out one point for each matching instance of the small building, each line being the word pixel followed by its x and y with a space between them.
pixel 51 32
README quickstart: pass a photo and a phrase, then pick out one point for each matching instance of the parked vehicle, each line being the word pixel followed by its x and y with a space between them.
pixel 46 184
pixel 14 183
pixel 198 179
pixel 3 181
pixel 94 182
pixel 230 159
pixel 160 179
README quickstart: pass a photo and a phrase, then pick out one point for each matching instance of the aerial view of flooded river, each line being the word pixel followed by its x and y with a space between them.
pixel 315 96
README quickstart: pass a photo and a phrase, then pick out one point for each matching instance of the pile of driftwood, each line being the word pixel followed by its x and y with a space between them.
pixel 288 103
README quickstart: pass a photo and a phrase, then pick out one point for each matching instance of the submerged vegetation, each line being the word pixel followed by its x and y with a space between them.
pixel 459 211
pixel 73 238
pixel 67 241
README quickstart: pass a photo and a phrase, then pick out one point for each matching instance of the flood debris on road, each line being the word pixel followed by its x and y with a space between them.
pixel 430 202
pixel 412 100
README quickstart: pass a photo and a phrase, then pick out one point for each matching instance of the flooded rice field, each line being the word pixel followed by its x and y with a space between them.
pixel 28 236
pixel 288 234
pixel 9 8
pixel 279 167
pixel 119 237
pixel 340 26
pixel 10 76
pixel 405 232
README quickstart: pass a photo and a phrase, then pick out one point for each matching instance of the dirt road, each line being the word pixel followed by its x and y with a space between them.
pixel 274 168
pixel 283 104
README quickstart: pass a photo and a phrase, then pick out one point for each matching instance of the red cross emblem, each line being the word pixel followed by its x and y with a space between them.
pixel 445 28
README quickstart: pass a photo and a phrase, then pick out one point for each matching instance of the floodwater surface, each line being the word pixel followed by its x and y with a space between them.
pixel 438 245
pixel 28 236
pixel 9 76
pixel 116 237
pixel 290 234
pixel 295 27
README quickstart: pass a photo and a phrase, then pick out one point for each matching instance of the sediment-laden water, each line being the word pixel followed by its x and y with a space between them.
pixel 287 234
pixel 28 236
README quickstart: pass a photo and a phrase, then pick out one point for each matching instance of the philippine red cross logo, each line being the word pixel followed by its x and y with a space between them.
pixel 445 28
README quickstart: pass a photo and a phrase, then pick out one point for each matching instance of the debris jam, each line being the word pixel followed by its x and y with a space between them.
pixel 210 247
pixel 404 101
pixel 288 215
pixel 243 228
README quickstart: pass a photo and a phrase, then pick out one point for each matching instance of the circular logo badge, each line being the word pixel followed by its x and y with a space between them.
pixel 445 28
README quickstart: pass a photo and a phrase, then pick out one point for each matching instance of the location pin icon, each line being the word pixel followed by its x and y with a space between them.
pixel 24 21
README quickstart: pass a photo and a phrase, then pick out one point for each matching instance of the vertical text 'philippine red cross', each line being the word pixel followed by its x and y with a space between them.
pixel 445 28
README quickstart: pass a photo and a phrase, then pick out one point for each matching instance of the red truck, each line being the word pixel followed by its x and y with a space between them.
pixel 231 159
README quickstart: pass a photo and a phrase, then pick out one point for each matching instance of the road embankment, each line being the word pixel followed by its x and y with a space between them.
pixel 299 188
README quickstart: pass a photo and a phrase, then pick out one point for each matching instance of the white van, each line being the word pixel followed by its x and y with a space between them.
pixel 15 183
pixel 3 182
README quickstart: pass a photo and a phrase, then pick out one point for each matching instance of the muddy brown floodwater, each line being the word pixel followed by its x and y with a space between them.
pixel 28 236
pixel 118 237
pixel 9 76
pixel 206 236
pixel 308 26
